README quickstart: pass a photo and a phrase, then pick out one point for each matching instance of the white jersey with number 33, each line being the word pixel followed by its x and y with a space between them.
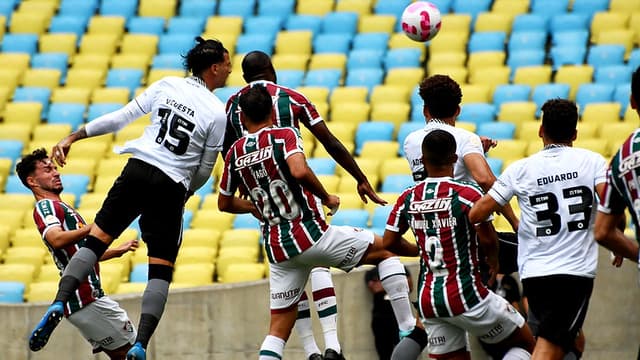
pixel 186 119
pixel 556 193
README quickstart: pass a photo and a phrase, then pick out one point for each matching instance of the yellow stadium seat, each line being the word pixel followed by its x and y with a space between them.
pixel 389 93
pixel 394 166
pixel 46 144
pixel 360 7
pixel 617 36
pixel 533 147
pixel 348 184
pixel 92 200
pixel 634 25
pixel 314 7
pixel 27 238
pixel 131 60
pixel 13 201
pixel 110 276
pixel 350 199
pixel 111 95
pixel 330 182
pixel 344 131
pixel 457 73
pixel 293 42
pixel 23 273
pixel 395 112
pixel 12 218
pixel 45 132
pixel 240 237
pixel 528 130
pixel 236 254
pixel 517 111
pixel 122 262
pixel 476 93
pixel 194 274
pixel 243 272
pixel 95 149
pixel 630 115
pixel 606 21
pixel 129 132
pixel 58 43
pixel 161 8
pixel 91 62
pixel 23 112
pixel 83 166
pixel 351 94
pixel 201 238
pixel 512 7
pixel 574 76
pixel 48 78
pixel 402 41
pixel 196 255
pixel 483 59
pixel 210 202
pixel 104 44
pixel 3 25
pixel 588 130
pixel 14 61
pixel 491 21
pixel 143 44
pixel 106 25
pixel 157 74
pixel 131 288
pixel 41 291
pixel 28 22
pixel 224 25
pixel 290 61
pixel 377 23
pixel 4 237
pixel 350 112
pixel 328 61
pixel 315 94
pixel 320 152
pixel 85 78
pixel 9 78
pixel 491 76
pixel 601 113
pixel 404 76
pixel 625 6
pixel 47 7
pixel 5 93
pixel 614 131
pixel 452 22
pixel 103 183
pixel 212 219
pixel 25 255
pixel 235 79
pixel 509 149
pixel 380 149
pixel 447 59
pixel 596 145
pixel 48 272
pixel 369 166
pixel 447 42
pixel 532 75
pixel 16 130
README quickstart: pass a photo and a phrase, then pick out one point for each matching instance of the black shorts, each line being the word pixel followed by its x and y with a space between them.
pixel 143 189
pixel 559 305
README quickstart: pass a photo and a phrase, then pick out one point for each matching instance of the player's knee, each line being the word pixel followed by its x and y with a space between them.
pixel 163 272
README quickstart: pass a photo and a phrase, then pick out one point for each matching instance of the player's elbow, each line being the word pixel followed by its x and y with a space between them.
pixel 225 203
pixel 299 172
pixel 474 217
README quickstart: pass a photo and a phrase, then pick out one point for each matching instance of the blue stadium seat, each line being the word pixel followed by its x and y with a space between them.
pixel 280 8
pixel 567 55
pixel 390 7
pixel 589 7
pixel 477 113
pixel 11 292
pixel 530 22
pixel 397 183
pixel 68 24
pixel 549 8
pixel 197 8
pixel 329 78
pixel 187 216
pixel 380 216
pixel 290 78
pixel 96 110
pixel 471 7
pixel 487 41
pixel 417 115
pixel 167 61
pixel 146 25
pixel 510 93
pixel 303 22
pixel 129 78
pixel 244 9
pixel 527 40
pixel 416 100
pixel 351 217
pixel 255 41
pixel 359 59
pixel 542 93
pixel 76 184
pixel 577 38
pixel 372 131
pixel 368 77
pixel 405 129
pixel 499 130
pixel 225 93
pixel 331 43
pixel 125 9
pixel 621 95
pixel 525 57
pixel 612 74
pixel 402 57
pixel 39 94
pixel 599 55
pixel 345 23
pixel 593 93
pixel 496 165
pixel 178 44
pixel 139 273
pixel 19 43
pixel 11 149
pixel 634 59
pixel 13 184
pixel 206 189
pixel 6 9
pixel 443 5
pixel 80 8
pixel 57 61
pixel 263 25
pixel 245 221
pixel 371 41
pixel 569 22
pixel 62 113
pixel 322 166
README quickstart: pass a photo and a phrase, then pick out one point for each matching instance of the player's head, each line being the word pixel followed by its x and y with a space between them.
pixel 209 55
pixel 36 170
pixel 438 151
pixel 559 120
pixel 256 106
pixel 635 89
pixel 441 95
pixel 257 65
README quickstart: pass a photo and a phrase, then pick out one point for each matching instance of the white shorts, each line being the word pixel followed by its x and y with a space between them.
pixel 492 320
pixel 104 324
pixel 341 247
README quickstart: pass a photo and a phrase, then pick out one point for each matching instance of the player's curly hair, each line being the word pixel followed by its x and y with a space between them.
pixel 256 104
pixel 27 164
pixel 441 95
pixel 559 119
pixel 203 55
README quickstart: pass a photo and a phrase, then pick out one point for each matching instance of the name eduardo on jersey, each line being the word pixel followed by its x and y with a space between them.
pixel 556 178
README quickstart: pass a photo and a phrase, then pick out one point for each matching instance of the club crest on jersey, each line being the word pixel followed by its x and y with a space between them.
pixel 254 157
pixel 430 205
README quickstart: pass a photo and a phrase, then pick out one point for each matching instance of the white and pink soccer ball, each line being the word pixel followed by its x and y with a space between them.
pixel 421 21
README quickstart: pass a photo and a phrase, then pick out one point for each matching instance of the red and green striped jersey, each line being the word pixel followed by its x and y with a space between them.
pixel 290 108
pixel 436 210
pixel 52 213
pixel 623 181
pixel 293 219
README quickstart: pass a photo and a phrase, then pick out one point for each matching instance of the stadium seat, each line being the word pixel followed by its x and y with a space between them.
pixel 593 93
pixel 574 38
pixel 127 78
pixel 525 58
pixel 621 95
pixel 367 77
pixel 569 22
pixel 492 76
pixel 495 165
pixel 517 112
pixel 293 42
pixel 290 78
pixel 549 8
pixel 331 43
pixel 532 75
pixel 606 20
pixel 114 95
pixel 310 23
pixel 243 272
pixel 10 149
pixel 622 37
pixel 487 41
pixel 23 273
pixel 527 40
pixel 359 59
pixel 45 132
pixel 28 23
pixel 246 221
pixel 544 92
pixel 601 113
pixel 75 25
pixel 19 43
pixel 236 8
pixel 55 61
pixel 483 59
pixel 11 292
pixel 567 55
pixel 378 23
pixel 574 76
pixel 612 74
pixel 197 8
pixel 146 25
pixel 344 23
pixel 350 217
pixel 477 113
pixel 373 131
pixel 161 8
pixel 23 112
pixel 255 42
pixel 34 94
pixel 391 7
pixel 497 130
pixel 600 55
pixel 314 7
pixel 167 61
pixel 508 150
pixel 396 183
pixel 488 21
pixel 395 58
pixel 280 8
pixel 175 44
pixel 530 22
pixel 106 25
pixel 589 7
pixel 264 25
pixel 125 9
pixel 371 41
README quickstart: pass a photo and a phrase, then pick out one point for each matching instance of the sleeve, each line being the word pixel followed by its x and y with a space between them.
pixel 292 142
pixel 309 115
pixel 502 190
pixel 398 220
pixel 228 181
pixel 612 201
pixel 46 216
pixel 471 145
pixel 600 170
pixel 232 133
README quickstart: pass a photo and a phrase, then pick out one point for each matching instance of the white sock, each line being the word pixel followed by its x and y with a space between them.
pixel 304 327
pixel 394 282
pixel 517 353
pixel 272 348
pixel 324 296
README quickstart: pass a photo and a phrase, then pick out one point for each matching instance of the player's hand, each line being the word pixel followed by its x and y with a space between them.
pixel 488 143
pixel 616 260
pixel 333 203
pixel 60 151
pixel 130 245
pixel 365 189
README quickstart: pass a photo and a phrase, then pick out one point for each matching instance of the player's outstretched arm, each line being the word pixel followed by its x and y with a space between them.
pixel 488 240
pixel 482 209
pixel 59 238
pixel 118 251
pixel 236 205
pixel 302 172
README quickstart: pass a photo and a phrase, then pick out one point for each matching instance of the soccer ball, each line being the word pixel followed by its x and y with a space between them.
pixel 421 21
